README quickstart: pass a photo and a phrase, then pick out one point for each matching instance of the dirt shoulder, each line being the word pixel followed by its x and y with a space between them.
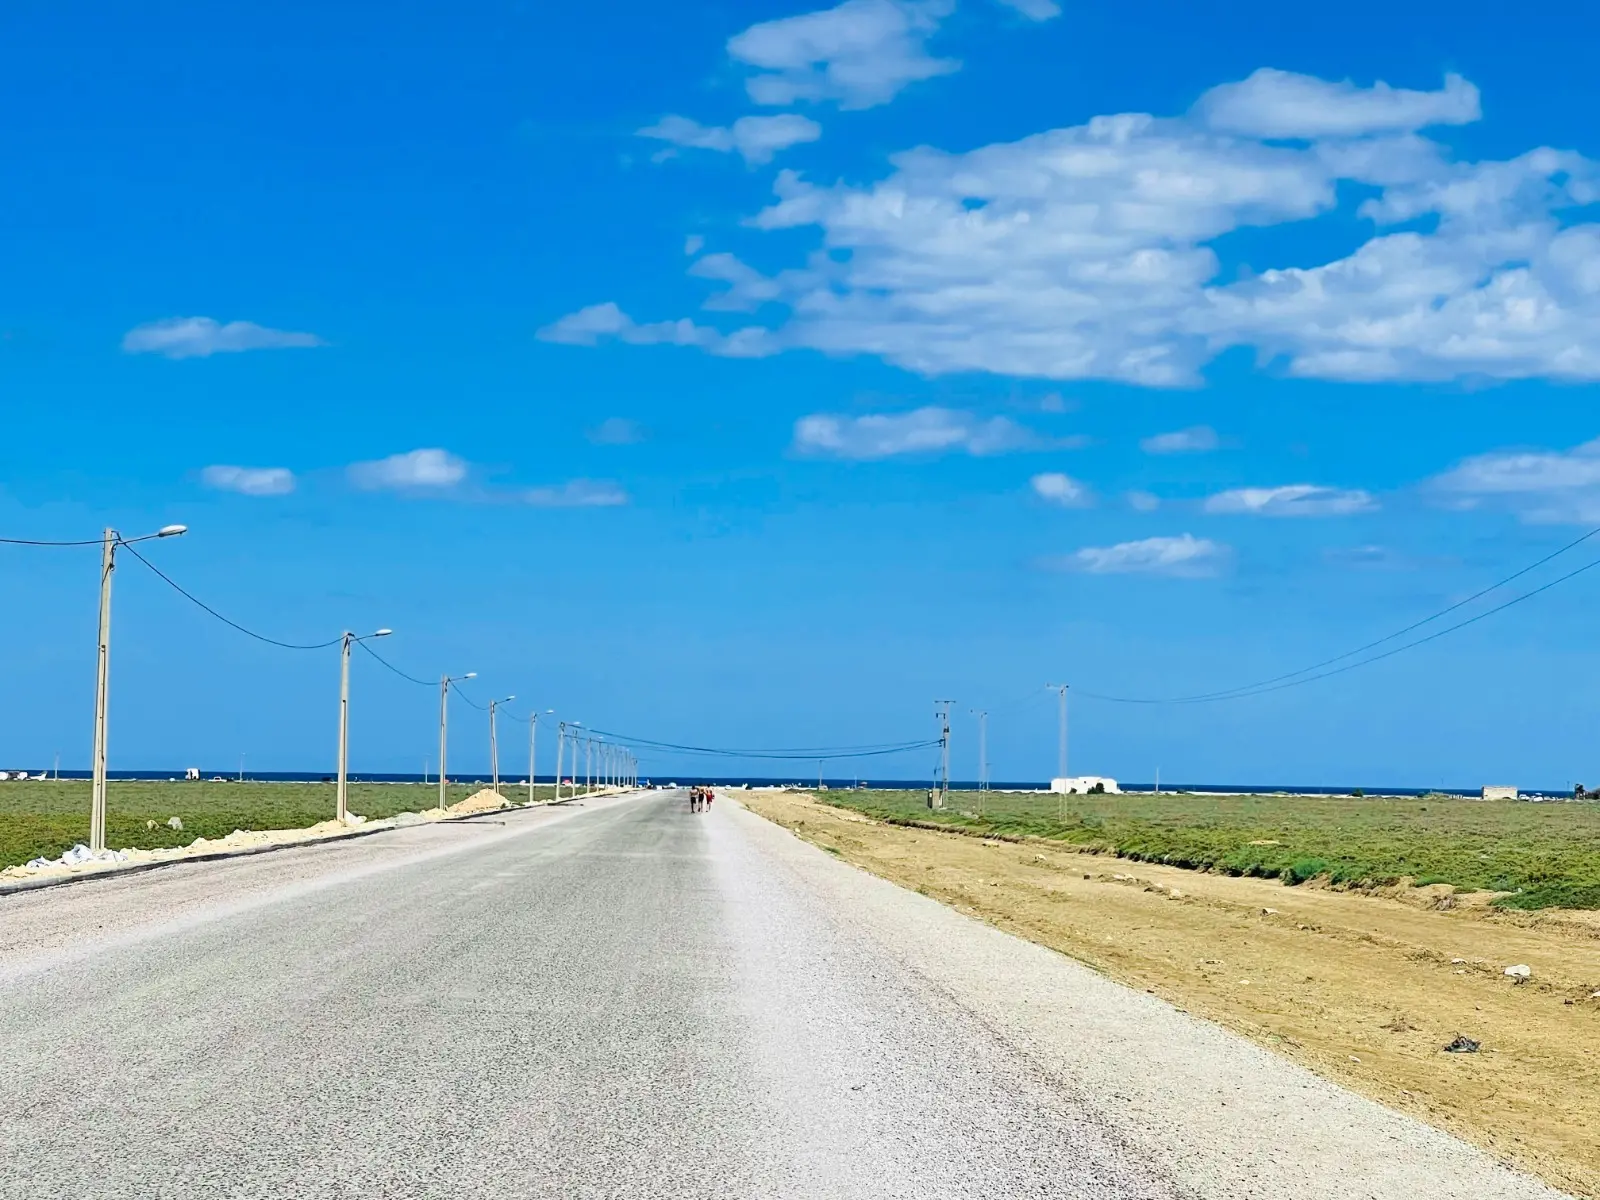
pixel 1363 989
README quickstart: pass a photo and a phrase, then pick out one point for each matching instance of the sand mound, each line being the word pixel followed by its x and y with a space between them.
pixel 480 801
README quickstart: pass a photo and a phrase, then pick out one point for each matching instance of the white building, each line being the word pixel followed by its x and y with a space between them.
pixel 1491 792
pixel 1077 784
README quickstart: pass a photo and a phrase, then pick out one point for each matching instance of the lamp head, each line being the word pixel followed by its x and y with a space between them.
pixel 172 530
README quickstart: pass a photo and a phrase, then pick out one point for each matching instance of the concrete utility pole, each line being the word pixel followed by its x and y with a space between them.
pixel 942 711
pixel 533 758
pixel 109 542
pixel 341 807
pixel 444 730
pixel 1061 758
pixel 983 756
pixel 494 746
pixel 561 742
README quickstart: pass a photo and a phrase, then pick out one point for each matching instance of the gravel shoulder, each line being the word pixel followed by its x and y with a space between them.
pixel 1223 1116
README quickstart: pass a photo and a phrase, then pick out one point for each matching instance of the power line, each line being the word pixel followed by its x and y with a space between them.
pixel 395 669
pixel 470 702
pixel 1263 689
pixel 794 753
pixel 195 600
pixel 35 542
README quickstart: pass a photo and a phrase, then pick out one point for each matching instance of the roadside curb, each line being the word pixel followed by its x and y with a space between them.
pixel 36 885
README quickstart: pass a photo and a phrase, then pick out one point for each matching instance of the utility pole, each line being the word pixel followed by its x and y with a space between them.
pixel 1061 759
pixel 983 757
pixel 109 542
pixel 494 745
pixel 561 741
pixel 533 758
pixel 444 727
pixel 942 711
pixel 97 809
pixel 341 806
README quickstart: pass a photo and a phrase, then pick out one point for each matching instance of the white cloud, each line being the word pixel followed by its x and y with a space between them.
pixel 249 481
pixel 1086 252
pixel 859 54
pixel 417 470
pixel 592 325
pixel 1185 556
pixel 1195 440
pixel 1035 10
pixel 1541 485
pixel 578 493
pixel 756 139
pixel 617 431
pixel 1280 104
pixel 201 337
pixel 1292 500
pixel 1141 501
pixel 1061 489
pixel 929 430
pixel 693 244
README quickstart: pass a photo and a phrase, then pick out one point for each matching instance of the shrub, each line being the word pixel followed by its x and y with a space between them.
pixel 1302 869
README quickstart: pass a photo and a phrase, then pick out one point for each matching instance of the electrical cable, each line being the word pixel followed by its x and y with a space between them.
pixel 1227 693
pixel 34 542
pixel 801 754
pixel 470 702
pixel 408 678
pixel 1263 690
pixel 195 600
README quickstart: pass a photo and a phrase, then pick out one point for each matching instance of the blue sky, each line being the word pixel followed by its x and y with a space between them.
pixel 756 375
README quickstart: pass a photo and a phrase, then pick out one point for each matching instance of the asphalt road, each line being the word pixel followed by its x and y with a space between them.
pixel 623 1000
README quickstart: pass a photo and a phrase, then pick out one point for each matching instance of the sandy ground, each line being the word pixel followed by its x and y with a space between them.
pixel 1365 990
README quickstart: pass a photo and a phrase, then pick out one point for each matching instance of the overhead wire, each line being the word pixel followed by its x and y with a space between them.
pixel 801 754
pixel 1290 680
pixel 408 678
pixel 37 542
pixel 199 603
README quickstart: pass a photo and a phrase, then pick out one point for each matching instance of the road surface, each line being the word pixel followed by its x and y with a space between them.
pixel 627 1000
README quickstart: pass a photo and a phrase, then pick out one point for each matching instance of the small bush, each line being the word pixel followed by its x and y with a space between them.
pixel 1303 869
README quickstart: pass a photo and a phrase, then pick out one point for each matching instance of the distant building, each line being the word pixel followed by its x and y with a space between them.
pixel 1084 784
pixel 1491 792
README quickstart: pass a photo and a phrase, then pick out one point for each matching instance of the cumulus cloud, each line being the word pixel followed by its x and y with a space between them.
pixel 578 493
pixel 1141 501
pixel 1185 556
pixel 1540 485
pixel 1280 104
pixel 1292 500
pixel 756 139
pixel 416 470
pixel 249 481
pixel 1197 439
pixel 858 55
pixel 616 431
pixel 592 325
pixel 1061 489
pixel 1086 252
pixel 201 337
pixel 930 430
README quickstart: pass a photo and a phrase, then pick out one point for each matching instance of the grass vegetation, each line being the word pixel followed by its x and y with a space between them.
pixel 46 817
pixel 1541 855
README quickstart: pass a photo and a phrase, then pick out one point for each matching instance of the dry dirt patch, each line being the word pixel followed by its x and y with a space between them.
pixel 1364 989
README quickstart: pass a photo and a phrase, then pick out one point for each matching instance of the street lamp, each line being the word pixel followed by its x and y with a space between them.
pixel 444 727
pixel 494 750
pixel 108 563
pixel 533 734
pixel 341 805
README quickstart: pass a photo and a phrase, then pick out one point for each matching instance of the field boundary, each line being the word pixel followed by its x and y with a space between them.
pixel 36 885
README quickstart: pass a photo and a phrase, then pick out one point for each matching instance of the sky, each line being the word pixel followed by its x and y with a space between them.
pixel 757 376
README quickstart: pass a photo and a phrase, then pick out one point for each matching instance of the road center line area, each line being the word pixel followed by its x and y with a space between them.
pixel 650 1002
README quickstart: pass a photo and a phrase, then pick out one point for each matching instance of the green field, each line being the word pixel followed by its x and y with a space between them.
pixel 46 817
pixel 1543 855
